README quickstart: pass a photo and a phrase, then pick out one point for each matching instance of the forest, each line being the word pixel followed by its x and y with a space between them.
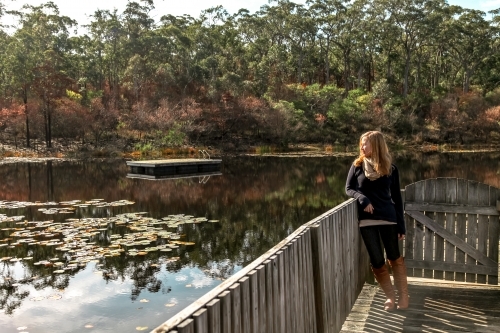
pixel 421 71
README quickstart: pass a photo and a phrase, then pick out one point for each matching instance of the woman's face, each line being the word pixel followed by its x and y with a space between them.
pixel 366 147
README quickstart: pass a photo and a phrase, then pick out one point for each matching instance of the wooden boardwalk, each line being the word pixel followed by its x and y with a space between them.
pixel 435 306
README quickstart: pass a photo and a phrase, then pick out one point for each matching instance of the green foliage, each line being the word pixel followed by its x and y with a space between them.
pixel 382 90
pixel 330 69
pixel 315 97
pixel 493 97
pixel 393 111
pixel 144 147
pixel 73 96
pixel 175 137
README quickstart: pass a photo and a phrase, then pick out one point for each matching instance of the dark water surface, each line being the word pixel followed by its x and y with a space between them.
pixel 258 201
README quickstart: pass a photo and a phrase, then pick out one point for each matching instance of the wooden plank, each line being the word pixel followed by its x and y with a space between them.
pixel 409 241
pixel 285 289
pixel 318 276
pixel 451 198
pixel 290 289
pixel 337 281
pixel 482 226
pixel 330 269
pixel 276 295
pixel 419 191
pixel 418 245
pixel 494 233
pixel 461 225
pixel 187 326
pixel 200 319
pixel 459 243
pixel 268 298
pixel 225 307
pixel 464 268
pixel 447 208
pixel 214 316
pixel 429 196
pixel 440 219
pixel 281 319
pixel 245 304
pixel 410 229
pixel 418 238
pixel 309 277
pixel 255 305
pixel 472 198
pixel 235 291
pixel 265 296
pixel 300 284
pixel 344 269
pixel 449 250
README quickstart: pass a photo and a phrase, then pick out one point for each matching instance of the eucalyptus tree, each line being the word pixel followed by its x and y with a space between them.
pixel 302 40
pixel 4 74
pixel 412 20
pixel 339 24
pixel 325 18
pixel 105 43
pixel 439 66
pixel 219 52
pixel 139 28
pixel 255 38
pixel 178 65
pixel 42 32
pixel 273 29
pixel 489 71
pixel 383 36
pixel 472 42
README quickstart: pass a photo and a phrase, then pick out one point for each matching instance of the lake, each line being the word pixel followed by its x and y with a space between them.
pixel 83 248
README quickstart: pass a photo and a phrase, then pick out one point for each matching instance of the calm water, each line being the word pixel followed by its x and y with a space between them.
pixel 257 200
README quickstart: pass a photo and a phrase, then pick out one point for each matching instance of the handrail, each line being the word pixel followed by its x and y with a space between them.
pixel 310 246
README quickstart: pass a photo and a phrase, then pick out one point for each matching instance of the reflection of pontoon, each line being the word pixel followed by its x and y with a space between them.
pixel 175 168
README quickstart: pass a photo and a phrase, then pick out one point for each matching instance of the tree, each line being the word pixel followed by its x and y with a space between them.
pixel 42 33
pixel 471 43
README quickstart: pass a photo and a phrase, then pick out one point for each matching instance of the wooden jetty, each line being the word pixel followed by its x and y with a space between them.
pixel 310 281
pixel 201 175
pixel 435 306
pixel 174 168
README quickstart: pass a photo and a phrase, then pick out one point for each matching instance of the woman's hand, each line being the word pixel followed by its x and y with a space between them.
pixel 369 209
pixel 401 236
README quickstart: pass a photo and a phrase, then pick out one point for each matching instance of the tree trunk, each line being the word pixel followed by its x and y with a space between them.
pixel 25 100
pixel 407 74
pixel 346 71
pixel 327 63
pixel 468 73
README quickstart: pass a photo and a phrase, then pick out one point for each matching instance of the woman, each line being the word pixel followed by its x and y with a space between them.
pixel 374 182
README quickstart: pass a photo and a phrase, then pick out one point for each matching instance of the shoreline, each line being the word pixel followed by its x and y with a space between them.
pixel 117 149
pixel 294 152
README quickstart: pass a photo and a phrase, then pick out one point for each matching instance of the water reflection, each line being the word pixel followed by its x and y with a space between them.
pixel 258 201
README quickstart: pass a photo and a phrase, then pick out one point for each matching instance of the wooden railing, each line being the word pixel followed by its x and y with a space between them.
pixel 306 283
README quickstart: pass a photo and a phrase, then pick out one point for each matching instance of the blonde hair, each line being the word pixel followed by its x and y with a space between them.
pixel 380 158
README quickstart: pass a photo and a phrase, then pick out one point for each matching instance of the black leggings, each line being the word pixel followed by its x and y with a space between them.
pixel 389 236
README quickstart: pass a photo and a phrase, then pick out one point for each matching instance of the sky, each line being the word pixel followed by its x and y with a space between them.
pixel 80 10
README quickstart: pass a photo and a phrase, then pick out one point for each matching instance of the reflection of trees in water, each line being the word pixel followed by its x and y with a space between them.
pixel 258 200
pixel 481 167
pixel 11 293
pixel 13 289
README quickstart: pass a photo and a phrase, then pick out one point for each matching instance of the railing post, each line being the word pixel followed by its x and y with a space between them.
pixel 318 277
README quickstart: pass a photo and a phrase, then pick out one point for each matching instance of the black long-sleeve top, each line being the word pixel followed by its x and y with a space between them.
pixel 383 193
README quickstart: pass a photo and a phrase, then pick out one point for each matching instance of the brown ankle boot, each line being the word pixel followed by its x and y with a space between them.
pixel 384 280
pixel 401 282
